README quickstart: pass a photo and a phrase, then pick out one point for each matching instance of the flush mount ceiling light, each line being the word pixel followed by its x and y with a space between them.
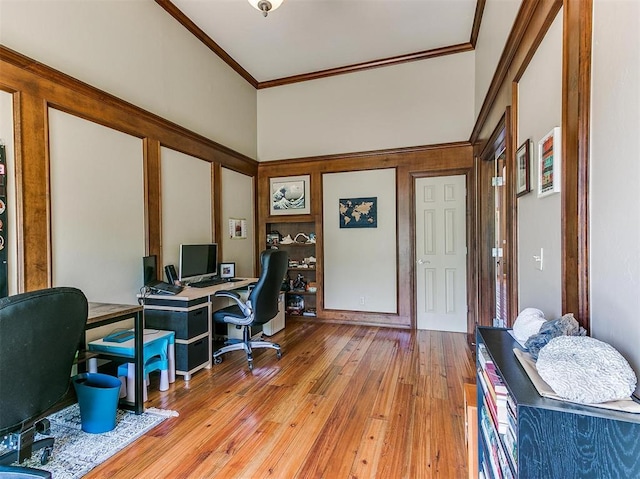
pixel 265 6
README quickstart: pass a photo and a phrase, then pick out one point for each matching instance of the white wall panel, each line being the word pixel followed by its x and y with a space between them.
pixel 540 109
pixel 238 202
pixel 186 203
pixel 360 262
pixel 615 174
pixel 97 209
pixel 417 103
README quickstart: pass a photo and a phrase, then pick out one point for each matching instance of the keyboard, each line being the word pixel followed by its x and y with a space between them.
pixel 209 282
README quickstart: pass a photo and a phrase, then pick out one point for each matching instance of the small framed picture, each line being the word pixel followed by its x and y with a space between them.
pixel 549 157
pixel 227 270
pixel 523 160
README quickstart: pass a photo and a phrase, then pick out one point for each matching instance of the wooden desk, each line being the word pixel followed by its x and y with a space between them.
pixel 188 314
pixel 101 314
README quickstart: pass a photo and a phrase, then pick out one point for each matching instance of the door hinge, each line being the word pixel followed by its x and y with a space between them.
pixel 496 252
pixel 497 181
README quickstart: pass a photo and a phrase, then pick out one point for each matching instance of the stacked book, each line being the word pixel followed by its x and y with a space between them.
pixel 498 415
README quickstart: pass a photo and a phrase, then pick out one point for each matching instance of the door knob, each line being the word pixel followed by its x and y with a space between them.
pixel 423 261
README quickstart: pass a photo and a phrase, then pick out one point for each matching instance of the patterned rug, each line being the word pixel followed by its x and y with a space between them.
pixel 76 452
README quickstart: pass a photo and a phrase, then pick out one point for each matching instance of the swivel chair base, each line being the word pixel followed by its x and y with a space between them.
pixel 247 345
pixel 21 445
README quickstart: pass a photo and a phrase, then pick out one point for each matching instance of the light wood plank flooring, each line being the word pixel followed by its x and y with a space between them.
pixel 343 402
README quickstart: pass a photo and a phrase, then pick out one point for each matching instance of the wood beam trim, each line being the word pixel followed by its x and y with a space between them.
pixel 197 32
pixel 32 192
pixel 153 198
pixel 531 16
pixel 576 108
pixel 477 21
pixel 358 67
pixel 72 96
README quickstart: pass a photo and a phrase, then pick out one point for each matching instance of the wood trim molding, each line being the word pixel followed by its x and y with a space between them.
pixel 576 123
pixel 75 97
pixel 152 197
pixel 477 21
pixel 358 67
pixel 197 32
pixel 531 12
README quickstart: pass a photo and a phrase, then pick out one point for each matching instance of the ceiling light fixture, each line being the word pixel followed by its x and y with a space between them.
pixel 265 6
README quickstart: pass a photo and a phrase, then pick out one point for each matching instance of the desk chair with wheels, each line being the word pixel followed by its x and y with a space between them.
pixel 261 306
pixel 39 335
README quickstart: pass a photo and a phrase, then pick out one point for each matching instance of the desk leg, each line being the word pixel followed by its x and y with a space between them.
pixel 139 362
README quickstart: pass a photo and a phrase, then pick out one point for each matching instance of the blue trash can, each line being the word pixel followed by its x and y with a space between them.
pixel 98 396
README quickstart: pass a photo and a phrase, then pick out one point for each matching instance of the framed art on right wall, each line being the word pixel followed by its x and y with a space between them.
pixel 523 162
pixel 549 158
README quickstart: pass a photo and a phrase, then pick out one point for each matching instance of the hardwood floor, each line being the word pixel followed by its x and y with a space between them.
pixel 343 402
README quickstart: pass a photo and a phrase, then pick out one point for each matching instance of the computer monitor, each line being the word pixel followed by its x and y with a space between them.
pixel 198 261
pixel 149 270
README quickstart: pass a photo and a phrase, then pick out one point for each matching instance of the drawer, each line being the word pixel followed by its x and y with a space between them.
pixel 186 324
pixel 192 355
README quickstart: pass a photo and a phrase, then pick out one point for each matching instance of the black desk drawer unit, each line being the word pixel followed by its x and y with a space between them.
pixel 186 324
pixel 190 356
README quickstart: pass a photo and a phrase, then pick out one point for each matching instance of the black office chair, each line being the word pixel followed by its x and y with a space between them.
pixel 39 335
pixel 261 306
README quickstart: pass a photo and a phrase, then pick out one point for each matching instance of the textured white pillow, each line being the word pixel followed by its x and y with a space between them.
pixel 528 323
pixel 585 370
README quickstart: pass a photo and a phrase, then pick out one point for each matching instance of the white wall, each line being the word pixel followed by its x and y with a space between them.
pixel 497 20
pixel 417 103
pixel 539 221
pixel 136 51
pixel 9 230
pixel 238 203
pixel 97 209
pixel 615 175
pixel 187 216
pixel 360 262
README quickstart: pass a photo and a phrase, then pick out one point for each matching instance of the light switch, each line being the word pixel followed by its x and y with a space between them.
pixel 539 259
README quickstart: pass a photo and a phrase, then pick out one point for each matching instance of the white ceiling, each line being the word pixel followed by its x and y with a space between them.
pixel 305 36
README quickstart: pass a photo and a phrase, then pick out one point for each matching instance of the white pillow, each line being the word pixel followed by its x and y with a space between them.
pixel 585 370
pixel 528 323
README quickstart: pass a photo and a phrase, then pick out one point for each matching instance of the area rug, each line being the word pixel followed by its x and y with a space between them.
pixel 76 452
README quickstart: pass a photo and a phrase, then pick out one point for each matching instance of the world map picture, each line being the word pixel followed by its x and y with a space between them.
pixel 359 212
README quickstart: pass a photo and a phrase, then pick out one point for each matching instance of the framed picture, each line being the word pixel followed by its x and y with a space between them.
pixel 549 158
pixel 290 195
pixel 358 212
pixel 237 228
pixel 523 160
pixel 227 270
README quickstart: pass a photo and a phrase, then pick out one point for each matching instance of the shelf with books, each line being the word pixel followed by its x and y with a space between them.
pixel 543 437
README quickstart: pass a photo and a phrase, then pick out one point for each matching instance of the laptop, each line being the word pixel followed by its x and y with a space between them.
pixel 150 275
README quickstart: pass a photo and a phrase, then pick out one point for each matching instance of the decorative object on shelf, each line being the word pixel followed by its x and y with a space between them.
pixel 310 312
pixel 549 157
pixel 312 238
pixel 564 326
pixel 286 240
pixel 295 304
pixel 528 323
pixel 585 370
pixel 290 195
pixel 523 162
pixel 273 239
pixel 237 228
pixel 312 287
pixel 310 261
pixel 358 212
pixel 265 6
pixel 302 238
pixel 299 284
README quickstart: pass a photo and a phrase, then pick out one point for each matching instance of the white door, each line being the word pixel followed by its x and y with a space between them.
pixel 441 253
